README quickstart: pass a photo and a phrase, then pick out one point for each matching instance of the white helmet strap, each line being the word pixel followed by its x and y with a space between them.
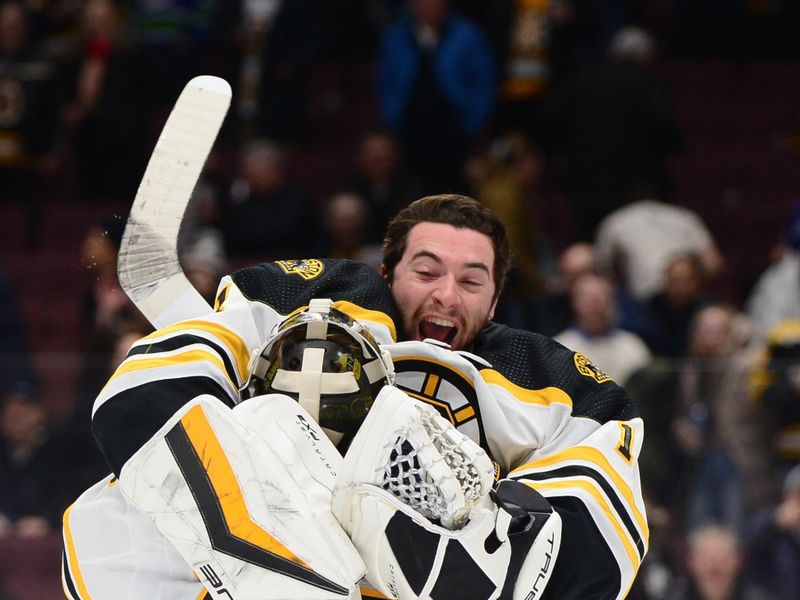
pixel 309 383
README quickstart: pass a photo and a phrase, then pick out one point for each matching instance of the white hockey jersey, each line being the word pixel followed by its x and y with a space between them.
pixel 546 415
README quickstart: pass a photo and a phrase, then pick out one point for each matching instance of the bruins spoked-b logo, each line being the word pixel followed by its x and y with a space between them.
pixel 307 268
pixel 588 369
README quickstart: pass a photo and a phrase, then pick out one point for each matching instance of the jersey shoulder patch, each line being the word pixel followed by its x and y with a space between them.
pixel 587 368
pixel 306 268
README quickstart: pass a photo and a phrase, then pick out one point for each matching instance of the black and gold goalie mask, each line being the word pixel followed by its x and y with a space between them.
pixel 328 362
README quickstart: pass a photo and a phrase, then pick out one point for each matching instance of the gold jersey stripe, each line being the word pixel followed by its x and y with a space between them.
pixel 354 311
pixel 71 560
pixel 592 455
pixel 190 356
pixel 230 339
pixel 541 486
pixel 543 397
pixel 363 314
pixel 226 486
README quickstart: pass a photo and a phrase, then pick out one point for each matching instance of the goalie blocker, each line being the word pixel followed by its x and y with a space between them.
pixel 416 498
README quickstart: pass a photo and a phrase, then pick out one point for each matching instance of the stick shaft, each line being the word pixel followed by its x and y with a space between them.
pixel 148 267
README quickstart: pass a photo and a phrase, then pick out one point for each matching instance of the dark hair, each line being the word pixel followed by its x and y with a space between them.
pixel 462 212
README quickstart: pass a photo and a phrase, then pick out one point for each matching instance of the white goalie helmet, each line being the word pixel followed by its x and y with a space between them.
pixel 327 361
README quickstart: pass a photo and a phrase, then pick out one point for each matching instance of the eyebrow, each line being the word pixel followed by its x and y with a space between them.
pixel 436 258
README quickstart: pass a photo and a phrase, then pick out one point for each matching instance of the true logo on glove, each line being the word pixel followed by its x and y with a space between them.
pixel 542 576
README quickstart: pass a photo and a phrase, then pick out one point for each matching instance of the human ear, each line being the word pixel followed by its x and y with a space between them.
pixel 490 316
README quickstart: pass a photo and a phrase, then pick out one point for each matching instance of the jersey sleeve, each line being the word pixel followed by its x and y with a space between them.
pixel 556 423
pixel 171 366
pixel 211 355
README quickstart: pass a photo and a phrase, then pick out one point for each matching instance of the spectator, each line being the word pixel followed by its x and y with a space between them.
pixel 505 180
pixel 436 84
pixel 635 244
pixel 103 117
pixel 204 262
pixel 346 218
pixel 268 215
pixel 14 360
pixel 172 40
pixel 773 542
pixel 537 45
pixel 203 215
pixel 27 106
pixel 656 390
pixel 107 308
pixel 657 575
pixel 31 500
pixel 107 314
pixel 613 126
pixel 775 297
pixel 715 428
pixel 201 242
pixel 524 57
pixel 279 44
pixel 714 565
pixel 593 333
pixel 382 180
pixel 665 327
pixel 776 391
pixel 556 312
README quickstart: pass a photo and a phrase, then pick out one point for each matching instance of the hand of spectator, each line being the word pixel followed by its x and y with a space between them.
pixel 787 515
pixel 32 526
pixel 688 436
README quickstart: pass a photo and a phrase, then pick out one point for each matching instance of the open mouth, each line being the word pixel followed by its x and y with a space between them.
pixel 438 329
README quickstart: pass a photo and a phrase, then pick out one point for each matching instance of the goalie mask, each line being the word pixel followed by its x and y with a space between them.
pixel 328 362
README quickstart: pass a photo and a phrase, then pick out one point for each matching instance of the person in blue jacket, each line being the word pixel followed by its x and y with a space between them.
pixel 436 87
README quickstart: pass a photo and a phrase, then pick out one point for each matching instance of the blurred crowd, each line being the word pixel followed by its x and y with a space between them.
pixel 514 102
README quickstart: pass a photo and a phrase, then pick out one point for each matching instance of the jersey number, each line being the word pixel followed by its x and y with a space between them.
pixel 625 442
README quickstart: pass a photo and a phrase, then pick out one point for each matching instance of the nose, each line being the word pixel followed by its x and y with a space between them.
pixel 446 292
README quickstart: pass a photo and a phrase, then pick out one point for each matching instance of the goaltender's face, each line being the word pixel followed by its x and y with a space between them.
pixel 444 284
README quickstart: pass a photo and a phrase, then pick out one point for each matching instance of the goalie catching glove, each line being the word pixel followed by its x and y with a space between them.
pixel 415 496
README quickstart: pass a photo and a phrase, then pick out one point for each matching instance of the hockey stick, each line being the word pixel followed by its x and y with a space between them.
pixel 147 266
